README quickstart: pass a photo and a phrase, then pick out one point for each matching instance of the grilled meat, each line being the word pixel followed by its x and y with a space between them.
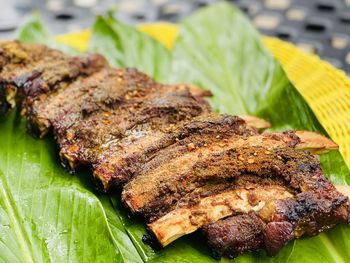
pixel 208 204
pixel 277 223
pixel 42 71
pixel 181 166
pixel 235 235
pixel 139 112
pixel 50 76
pixel 155 144
pixel 63 107
pixel 219 157
pixel 299 170
pixel 16 59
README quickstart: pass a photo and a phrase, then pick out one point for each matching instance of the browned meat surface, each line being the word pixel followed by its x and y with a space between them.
pixel 145 143
pixel 63 107
pixel 277 223
pixel 219 157
pixel 31 71
pixel 309 210
pixel 52 75
pixel 224 153
pixel 212 202
pixel 181 166
pixel 16 59
pixel 140 110
pixel 235 235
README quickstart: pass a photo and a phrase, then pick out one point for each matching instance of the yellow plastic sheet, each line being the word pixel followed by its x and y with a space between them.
pixel 325 88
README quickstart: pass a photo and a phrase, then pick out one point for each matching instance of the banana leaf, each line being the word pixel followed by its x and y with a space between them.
pixel 48 215
pixel 34 31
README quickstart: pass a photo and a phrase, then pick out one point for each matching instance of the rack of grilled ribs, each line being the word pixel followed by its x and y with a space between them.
pixel 178 164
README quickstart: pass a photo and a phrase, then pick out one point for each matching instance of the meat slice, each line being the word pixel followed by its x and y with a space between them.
pixel 212 202
pixel 221 157
pixel 119 163
pixel 42 71
pixel 46 77
pixel 285 212
pixel 277 223
pixel 62 108
pixel 15 59
pixel 141 107
pixel 235 235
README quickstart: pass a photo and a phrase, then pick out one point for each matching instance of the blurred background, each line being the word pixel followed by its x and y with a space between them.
pixel 317 26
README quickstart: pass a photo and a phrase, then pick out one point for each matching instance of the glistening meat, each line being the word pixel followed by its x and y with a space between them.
pixel 178 164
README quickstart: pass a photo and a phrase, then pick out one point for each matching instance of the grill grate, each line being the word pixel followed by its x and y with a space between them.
pixel 317 26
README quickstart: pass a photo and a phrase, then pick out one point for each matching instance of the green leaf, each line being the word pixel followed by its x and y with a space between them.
pixel 33 31
pixel 245 79
pixel 226 56
pixel 47 214
pixel 43 210
pixel 186 250
pixel 243 76
pixel 124 46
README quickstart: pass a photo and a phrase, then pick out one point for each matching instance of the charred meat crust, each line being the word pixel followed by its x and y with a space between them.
pixel 248 182
pixel 280 221
pixel 15 59
pixel 184 167
pixel 275 225
pixel 235 235
pixel 159 146
pixel 49 77
pixel 143 108
pixel 218 201
pixel 15 56
pixel 221 159
pixel 286 212
pixel 244 233
pixel 32 70
pixel 5 105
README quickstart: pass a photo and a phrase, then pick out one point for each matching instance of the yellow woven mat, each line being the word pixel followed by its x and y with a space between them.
pixel 325 88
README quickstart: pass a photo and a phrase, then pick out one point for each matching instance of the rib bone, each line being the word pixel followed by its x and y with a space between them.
pixel 183 221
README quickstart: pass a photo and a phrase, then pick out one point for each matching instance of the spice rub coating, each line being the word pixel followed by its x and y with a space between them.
pixel 179 165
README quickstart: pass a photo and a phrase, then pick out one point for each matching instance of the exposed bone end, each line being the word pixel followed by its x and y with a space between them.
pixel 315 142
pixel 39 126
pixel 183 221
pixel 344 189
pixel 67 156
pixel 104 179
pixel 256 122
pixel 11 92
pixel 345 210
pixel 198 92
pixel 131 202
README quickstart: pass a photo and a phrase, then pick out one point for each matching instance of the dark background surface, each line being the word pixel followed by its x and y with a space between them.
pixel 317 26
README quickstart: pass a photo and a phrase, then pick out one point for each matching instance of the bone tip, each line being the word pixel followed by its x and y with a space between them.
pixel 315 140
pixel 256 122
pixel 344 189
